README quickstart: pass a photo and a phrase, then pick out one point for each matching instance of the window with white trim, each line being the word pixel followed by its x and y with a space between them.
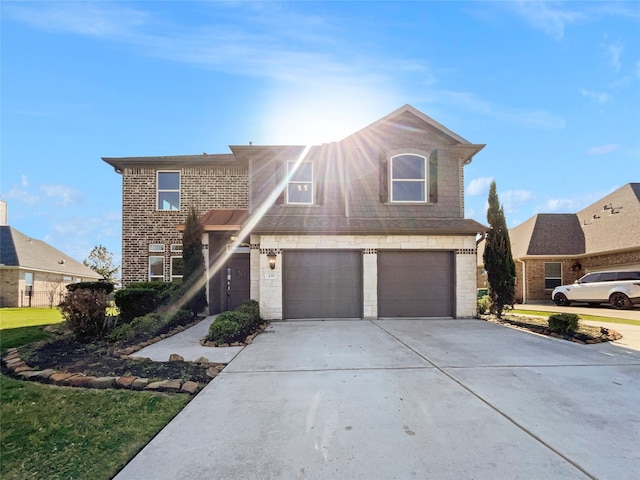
pixel 156 247
pixel 552 275
pixel 300 185
pixel 168 190
pixel 156 269
pixel 177 269
pixel 176 247
pixel 408 178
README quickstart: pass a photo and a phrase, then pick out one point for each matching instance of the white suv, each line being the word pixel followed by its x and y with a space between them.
pixel 621 289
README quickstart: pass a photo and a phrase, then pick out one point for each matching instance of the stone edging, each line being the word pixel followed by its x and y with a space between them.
pixel 19 369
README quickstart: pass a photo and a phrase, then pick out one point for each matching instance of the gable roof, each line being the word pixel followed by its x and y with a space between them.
pixel 608 225
pixel 411 116
pixel 19 250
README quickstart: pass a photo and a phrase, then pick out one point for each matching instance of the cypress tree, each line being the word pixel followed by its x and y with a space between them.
pixel 192 289
pixel 498 261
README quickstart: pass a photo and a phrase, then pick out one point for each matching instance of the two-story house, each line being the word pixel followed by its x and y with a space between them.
pixel 371 226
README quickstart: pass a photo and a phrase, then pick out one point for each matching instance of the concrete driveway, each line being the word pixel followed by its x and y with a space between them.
pixel 399 399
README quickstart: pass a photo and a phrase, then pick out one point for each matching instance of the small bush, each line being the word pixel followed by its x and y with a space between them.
pixel 484 305
pixel 135 302
pixel 224 331
pixel 252 308
pixel 85 309
pixel 563 323
pixel 147 324
pixel 121 332
pixel 176 319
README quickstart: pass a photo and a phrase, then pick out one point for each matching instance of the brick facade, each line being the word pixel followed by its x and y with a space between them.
pixel 142 224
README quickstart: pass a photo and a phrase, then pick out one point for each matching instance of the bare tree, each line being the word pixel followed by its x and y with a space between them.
pixel 53 285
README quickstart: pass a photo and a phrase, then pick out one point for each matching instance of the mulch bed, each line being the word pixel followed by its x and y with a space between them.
pixel 586 334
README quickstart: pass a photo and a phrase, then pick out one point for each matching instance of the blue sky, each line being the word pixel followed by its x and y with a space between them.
pixel 552 88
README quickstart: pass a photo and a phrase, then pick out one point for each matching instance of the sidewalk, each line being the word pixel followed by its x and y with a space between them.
pixel 187 345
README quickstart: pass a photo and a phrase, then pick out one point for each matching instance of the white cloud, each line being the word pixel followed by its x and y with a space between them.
pixel 23 181
pixel 615 52
pixel 559 204
pixel 479 186
pixel 65 195
pixel 550 17
pixel 472 103
pixel 512 200
pixel 23 196
pixel 612 147
pixel 95 19
pixel 595 96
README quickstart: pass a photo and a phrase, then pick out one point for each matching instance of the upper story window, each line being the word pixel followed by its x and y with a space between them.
pixel 168 190
pixel 300 186
pixel 156 247
pixel 408 178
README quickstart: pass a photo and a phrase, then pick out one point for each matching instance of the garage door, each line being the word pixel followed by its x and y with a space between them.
pixel 415 284
pixel 322 284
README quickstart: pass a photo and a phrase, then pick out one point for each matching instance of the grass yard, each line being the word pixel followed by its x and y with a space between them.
pixel 28 317
pixel 70 433
pixel 75 433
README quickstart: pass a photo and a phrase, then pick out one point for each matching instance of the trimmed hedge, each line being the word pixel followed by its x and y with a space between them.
pixel 106 287
pixel 236 326
pixel 563 323
pixel 140 298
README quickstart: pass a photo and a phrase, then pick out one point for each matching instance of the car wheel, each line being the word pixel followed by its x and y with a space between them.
pixel 620 300
pixel 561 300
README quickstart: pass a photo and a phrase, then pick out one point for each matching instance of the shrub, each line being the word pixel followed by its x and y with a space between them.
pixel 484 305
pixel 147 324
pixel 121 332
pixel 85 312
pixel 252 308
pixel 140 298
pixel 106 287
pixel 176 319
pixel 563 323
pixel 135 302
pixel 224 331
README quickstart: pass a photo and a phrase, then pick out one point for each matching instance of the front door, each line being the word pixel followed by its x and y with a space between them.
pixel 237 280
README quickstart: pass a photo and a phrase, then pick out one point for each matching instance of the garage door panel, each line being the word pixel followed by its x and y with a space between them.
pixel 415 284
pixel 322 284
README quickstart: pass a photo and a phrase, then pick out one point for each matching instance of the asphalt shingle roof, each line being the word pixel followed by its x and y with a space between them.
pixel 19 250
pixel 610 224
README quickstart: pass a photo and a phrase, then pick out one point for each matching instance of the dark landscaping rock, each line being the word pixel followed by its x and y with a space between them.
pixel 174 357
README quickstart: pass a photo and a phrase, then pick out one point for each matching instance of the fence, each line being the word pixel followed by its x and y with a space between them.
pixel 40 299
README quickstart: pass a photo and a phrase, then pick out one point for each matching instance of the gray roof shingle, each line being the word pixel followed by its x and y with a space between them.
pixel 19 250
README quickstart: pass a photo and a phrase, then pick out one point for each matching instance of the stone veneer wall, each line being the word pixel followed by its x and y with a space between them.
pixel 142 224
pixel 266 284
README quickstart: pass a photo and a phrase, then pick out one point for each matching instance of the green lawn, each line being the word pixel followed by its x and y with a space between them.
pixel 70 433
pixel 596 318
pixel 28 317
pixel 75 433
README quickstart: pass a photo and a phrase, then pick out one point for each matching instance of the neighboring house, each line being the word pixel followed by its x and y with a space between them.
pixel 370 226
pixel 33 273
pixel 552 249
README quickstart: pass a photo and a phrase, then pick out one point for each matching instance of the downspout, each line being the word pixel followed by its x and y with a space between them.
pixel 524 281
